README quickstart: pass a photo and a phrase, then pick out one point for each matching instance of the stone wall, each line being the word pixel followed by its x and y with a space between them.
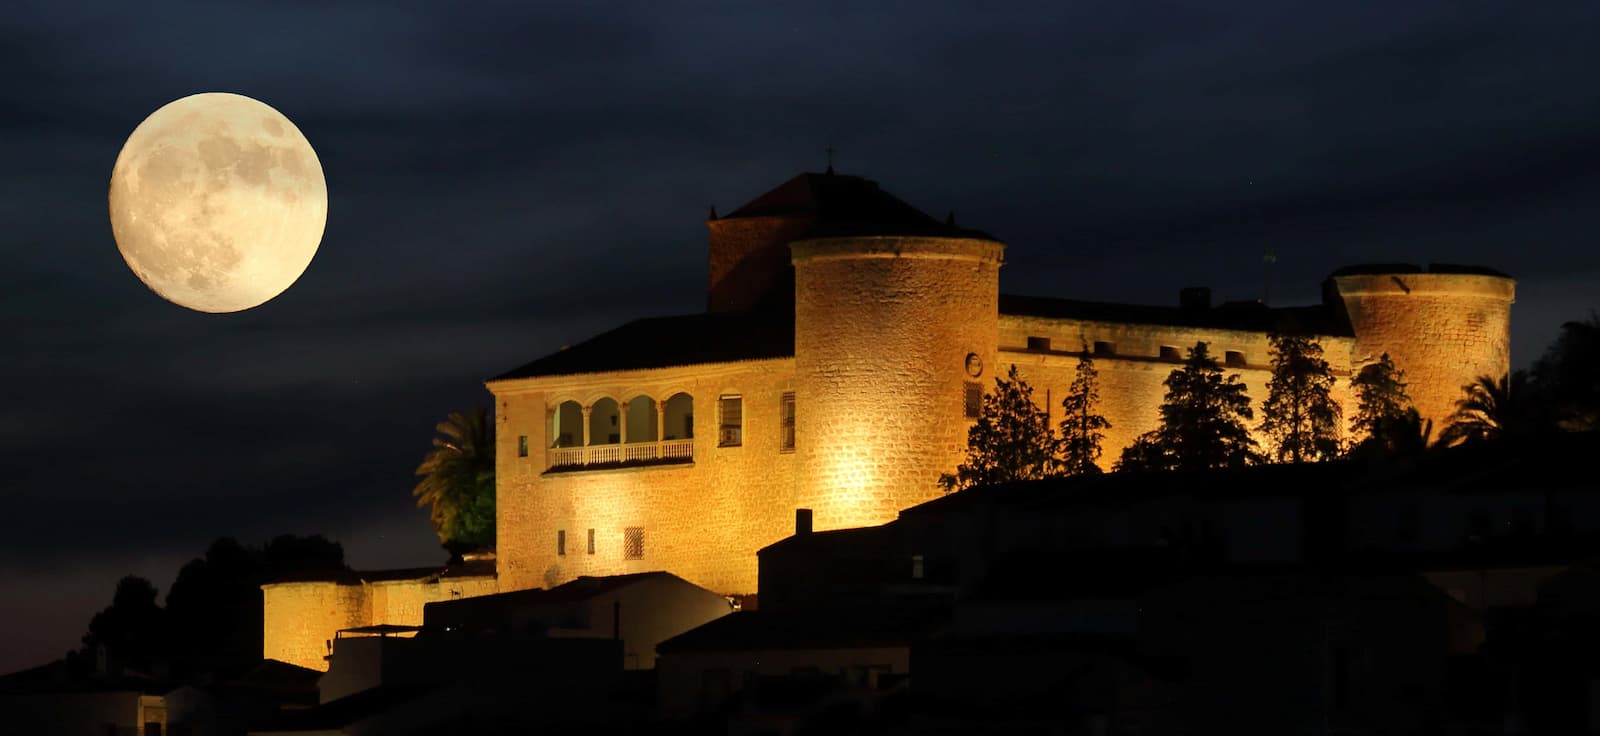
pixel 1444 330
pixel 702 521
pixel 300 618
pixel 1131 378
pixel 883 330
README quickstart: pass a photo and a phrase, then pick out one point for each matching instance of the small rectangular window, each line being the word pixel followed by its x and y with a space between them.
pixel 730 421
pixel 561 542
pixel 786 418
pixel 974 399
pixel 1101 347
pixel 1038 343
pixel 633 543
pixel 591 541
pixel 1169 352
pixel 522 445
pixel 1233 358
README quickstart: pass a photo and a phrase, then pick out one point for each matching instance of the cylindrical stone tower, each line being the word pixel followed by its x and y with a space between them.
pixel 1444 328
pixel 889 331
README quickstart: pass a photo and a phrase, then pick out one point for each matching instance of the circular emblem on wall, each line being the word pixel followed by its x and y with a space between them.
pixel 974 365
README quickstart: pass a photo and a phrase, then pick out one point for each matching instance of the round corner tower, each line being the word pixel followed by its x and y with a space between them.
pixel 889 332
pixel 1444 327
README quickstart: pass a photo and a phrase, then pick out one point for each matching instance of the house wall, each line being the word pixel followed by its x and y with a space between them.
pixel 682 677
pixel 113 713
pixel 300 618
pixel 702 521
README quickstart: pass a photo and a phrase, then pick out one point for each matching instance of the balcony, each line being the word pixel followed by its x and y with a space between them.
pixel 620 455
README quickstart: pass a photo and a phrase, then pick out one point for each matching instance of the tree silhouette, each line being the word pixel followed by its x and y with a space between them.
pixel 1385 422
pixel 132 631
pixel 1300 416
pixel 458 481
pixel 1012 439
pixel 1568 375
pixel 1082 430
pixel 1491 409
pixel 1202 422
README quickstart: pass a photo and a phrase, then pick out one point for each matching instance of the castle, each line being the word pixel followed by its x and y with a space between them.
pixel 847 342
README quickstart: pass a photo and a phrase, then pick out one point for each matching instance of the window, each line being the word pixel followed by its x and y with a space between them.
pixel 1102 347
pixel 974 399
pixel 916 567
pixel 561 542
pixel 522 445
pixel 786 418
pixel 730 421
pixel 1038 343
pixel 591 541
pixel 1168 352
pixel 1233 358
pixel 633 543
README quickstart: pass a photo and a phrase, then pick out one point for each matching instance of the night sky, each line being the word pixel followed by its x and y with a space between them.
pixel 506 178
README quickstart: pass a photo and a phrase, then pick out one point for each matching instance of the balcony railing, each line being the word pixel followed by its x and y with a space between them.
pixel 664 451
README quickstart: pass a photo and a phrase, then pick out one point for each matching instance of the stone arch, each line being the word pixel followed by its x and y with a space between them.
pixel 642 419
pixel 566 425
pixel 678 422
pixel 605 422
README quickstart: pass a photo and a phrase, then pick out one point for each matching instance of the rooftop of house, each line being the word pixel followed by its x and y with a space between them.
pixel 840 206
pixel 663 342
pixel 841 628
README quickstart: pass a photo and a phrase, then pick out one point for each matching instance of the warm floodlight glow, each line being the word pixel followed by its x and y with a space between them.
pixel 217 202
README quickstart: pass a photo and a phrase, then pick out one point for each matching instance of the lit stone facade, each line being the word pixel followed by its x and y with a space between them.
pixel 885 314
pixel 1443 329
pixel 299 618
pixel 736 497
pixel 884 327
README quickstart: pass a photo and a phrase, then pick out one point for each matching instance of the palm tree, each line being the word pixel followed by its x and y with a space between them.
pixel 458 480
pixel 1490 409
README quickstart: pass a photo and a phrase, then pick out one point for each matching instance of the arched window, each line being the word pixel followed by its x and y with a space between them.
pixel 566 425
pixel 605 423
pixel 641 419
pixel 678 424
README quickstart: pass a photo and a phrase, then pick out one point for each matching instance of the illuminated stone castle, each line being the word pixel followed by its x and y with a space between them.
pixel 847 340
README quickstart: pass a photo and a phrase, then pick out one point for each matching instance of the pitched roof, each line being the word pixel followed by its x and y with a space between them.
pixel 847 205
pixel 1245 316
pixel 661 342
pixel 804 629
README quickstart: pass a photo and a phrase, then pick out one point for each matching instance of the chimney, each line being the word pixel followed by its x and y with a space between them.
pixel 1197 298
pixel 802 522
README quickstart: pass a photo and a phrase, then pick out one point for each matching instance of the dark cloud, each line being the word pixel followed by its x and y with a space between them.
pixel 506 178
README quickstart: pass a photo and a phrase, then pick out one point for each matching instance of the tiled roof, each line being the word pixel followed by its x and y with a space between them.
pixel 661 342
pixel 1246 316
pixel 847 205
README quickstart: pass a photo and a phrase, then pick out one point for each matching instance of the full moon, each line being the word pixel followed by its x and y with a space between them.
pixel 217 202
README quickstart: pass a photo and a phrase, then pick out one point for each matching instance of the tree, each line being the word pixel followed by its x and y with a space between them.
pixel 1385 423
pixel 1568 375
pixel 1012 439
pixel 1082 430
pixel 458 481
pixel 1490 409
pixel 132 631
pixel 1300 416
pixel 1202 422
